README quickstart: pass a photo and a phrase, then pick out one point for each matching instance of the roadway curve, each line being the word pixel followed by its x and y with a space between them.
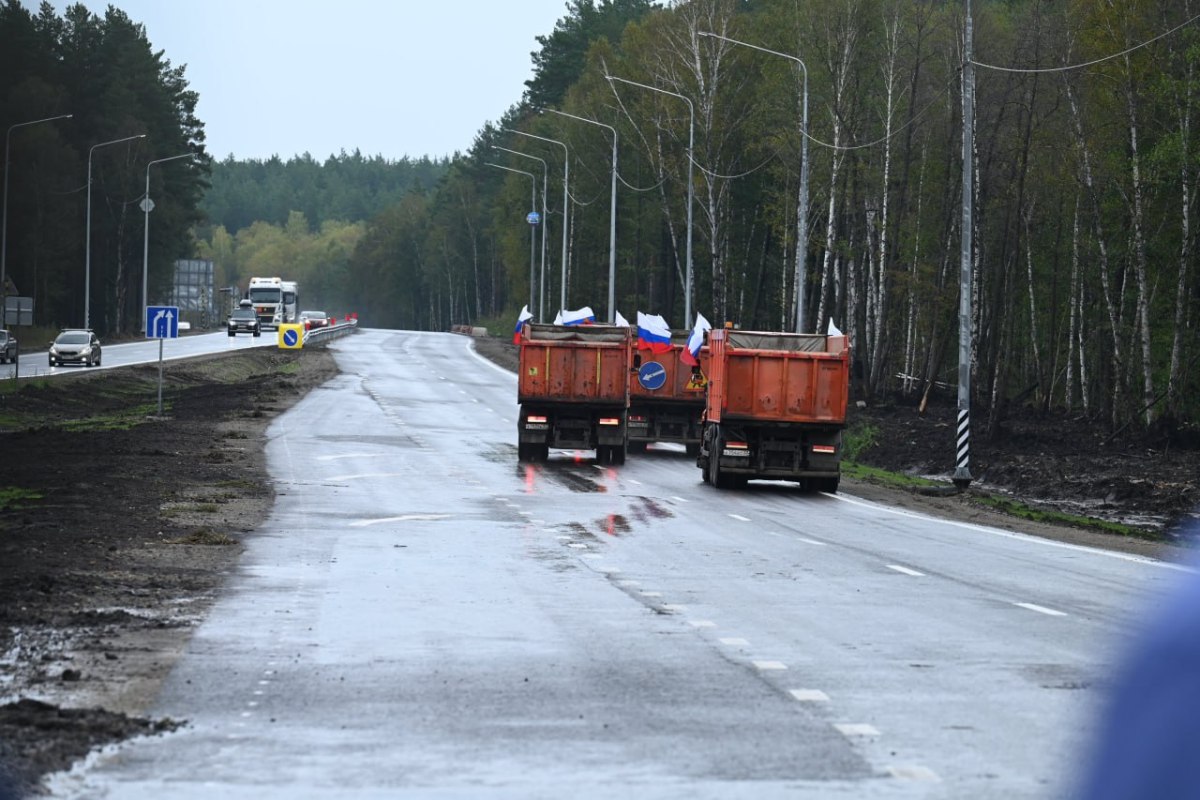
pixel 423 616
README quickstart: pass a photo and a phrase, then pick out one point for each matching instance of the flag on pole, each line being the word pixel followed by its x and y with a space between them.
pixel 654 334
pixel 582 316
pixel 624 323
pixel 525 316
pixel 833 329
pixel 690 355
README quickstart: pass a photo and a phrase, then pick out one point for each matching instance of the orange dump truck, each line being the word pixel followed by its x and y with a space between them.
pixel 775 408
pixel 573 387
pixel 666 397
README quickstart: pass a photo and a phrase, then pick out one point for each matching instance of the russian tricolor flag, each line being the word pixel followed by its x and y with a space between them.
pixel 654 334
pixel 582 316
pixel 525 316
pixel 690 355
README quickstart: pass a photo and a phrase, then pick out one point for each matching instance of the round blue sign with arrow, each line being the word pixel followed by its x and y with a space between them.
pixel 652 375
pixel 533 218
pixel 290 337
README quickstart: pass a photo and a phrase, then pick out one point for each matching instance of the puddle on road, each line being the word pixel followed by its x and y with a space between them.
pixel 650 508
pixel 615 525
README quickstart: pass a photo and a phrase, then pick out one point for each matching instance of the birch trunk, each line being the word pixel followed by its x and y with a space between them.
pixel 1139 248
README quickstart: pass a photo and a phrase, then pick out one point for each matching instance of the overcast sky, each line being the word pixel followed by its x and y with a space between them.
pixel 390 77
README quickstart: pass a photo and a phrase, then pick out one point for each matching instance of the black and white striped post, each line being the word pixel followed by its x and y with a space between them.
pixel 962 472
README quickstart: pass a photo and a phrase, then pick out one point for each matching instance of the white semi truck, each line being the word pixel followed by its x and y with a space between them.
pixel 275 301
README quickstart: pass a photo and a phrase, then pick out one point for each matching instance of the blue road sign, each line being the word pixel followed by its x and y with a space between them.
pixel 291 337
pixel 533 218
pixel 162 322
pixel 652 375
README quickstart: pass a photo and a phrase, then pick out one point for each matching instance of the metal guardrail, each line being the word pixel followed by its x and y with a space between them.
pixel 323 336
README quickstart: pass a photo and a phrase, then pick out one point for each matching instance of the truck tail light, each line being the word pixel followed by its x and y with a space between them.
pixel 824 448
pixel 610 420
pixel 636 418
pixel 737 446
pixel 535 418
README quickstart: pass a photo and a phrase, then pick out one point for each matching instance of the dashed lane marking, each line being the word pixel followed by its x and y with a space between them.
pixel 766 666
pixel 1041 609
pixel 906 570
pixel 809 695
pixel 702 623
pixel 734 641
pixel 678 499
pixel 856 729
pixel 811 541
pixel 740 518
pixel 914 772
pixel 673 607
pixel 651 594
pixel 362 523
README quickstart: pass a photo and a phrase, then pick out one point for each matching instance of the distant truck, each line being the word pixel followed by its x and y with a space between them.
pixel 666 397
pixel 573 388
pixel 775 408
pixel 275 300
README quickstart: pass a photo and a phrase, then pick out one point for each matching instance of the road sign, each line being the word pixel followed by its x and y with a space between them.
pixel 18 310
pixel 147 205
pixel 652 375
pixel 533 218
pixel 162 322
pixel 291 336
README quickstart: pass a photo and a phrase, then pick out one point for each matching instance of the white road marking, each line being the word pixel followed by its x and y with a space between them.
pixel 349 455
pixel 599 466
pixel 809 695
pixel 525 513
pixel 674 607
pixel 1042 609
pixel 362 523
pixel 914 772
pixel 651 594
pixel 856 729
pixel 634 481
pixel 769 665
pixel 811 541
pixel 678 499
pixel 361 475
pixel 1019 536
pixel 740 517
pixel 702 623
pixel 734 641
pixel 906 570
pixel 577 546
pixel 628 582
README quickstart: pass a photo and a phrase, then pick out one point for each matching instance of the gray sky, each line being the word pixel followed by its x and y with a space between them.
pixel 390 77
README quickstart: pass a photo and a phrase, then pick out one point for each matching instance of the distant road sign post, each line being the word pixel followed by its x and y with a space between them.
pixel 162 322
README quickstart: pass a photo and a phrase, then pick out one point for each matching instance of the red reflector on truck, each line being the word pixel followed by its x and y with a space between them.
pixel 824 448
pixel 535 418
pixel 610 420
pixel 737 446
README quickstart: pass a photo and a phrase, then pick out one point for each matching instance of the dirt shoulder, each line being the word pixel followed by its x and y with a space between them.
pixel 117 528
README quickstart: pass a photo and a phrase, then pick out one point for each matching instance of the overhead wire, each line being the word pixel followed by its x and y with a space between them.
pixel 1091 63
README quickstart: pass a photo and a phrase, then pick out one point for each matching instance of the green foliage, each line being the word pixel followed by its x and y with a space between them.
pixel 14 498
pixel 1018 509
pixel 857 439
pixel 104 72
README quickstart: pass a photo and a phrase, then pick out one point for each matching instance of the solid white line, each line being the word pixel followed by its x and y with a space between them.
pixel 740 517
pixel 856 729
pixel 809 695
pixel 769 665
pixel 470 347
pixel 906 570
pixel 349 455
pixel 1042 609
pixel 1019 536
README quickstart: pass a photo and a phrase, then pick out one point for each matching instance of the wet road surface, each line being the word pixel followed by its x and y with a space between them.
pixel 422 616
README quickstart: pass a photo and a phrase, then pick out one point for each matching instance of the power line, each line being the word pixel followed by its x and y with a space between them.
pixel 1094 61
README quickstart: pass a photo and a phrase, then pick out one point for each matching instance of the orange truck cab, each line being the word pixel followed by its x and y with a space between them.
pixel 775 408
pixel 573 388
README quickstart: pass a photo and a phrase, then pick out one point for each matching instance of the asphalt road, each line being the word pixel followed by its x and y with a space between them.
pixel 421 616
pixel 35 364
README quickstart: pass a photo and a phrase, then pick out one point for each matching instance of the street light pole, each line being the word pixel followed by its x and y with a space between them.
pixel 532 206
pixel 87 279
pixel 687 302
pixel 545 221
pixel 146 206
pixel 802 204
pixel 4 223
pixel 566 205
pixel 612 214
pixel 962 472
